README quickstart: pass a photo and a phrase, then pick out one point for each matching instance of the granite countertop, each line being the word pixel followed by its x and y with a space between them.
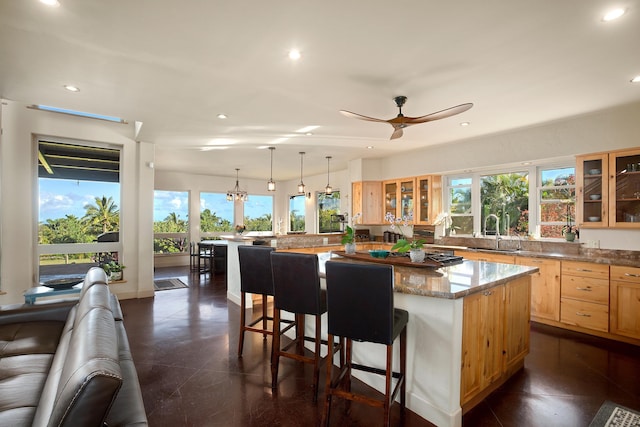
pixel 455 281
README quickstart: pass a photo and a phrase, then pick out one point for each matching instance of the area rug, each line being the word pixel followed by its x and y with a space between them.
pixel 614 415
pixel 165 284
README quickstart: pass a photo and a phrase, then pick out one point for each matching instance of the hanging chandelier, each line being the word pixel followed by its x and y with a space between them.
pixel 301 188
pixel 328 190
pixel 236 193
pixel 271 185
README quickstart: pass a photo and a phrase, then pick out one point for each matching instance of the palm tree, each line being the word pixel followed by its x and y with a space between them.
pixel 103 215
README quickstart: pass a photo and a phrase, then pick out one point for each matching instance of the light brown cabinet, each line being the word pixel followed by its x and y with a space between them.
pixel 428 198
pixel 399 198
pixel 608 189
pixel 495 337
pixel 584 296
pixel 624 189
pixel 366 199
pixel 487 257
pixel 592 190
pixel 545 288
pixel 625 301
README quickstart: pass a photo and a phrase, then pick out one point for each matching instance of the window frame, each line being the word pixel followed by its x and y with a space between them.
pixel 320 194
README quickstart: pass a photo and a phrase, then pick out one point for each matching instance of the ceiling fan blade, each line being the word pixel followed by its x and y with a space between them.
pixel 443 114
pixel 397 133
pixel 361 117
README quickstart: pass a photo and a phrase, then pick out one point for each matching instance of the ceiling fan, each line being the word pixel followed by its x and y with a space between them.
pixel 401 121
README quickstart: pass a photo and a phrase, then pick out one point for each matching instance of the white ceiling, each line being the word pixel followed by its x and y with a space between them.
pixel 175 65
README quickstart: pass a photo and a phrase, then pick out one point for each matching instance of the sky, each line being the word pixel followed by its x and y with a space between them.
pixel 60 197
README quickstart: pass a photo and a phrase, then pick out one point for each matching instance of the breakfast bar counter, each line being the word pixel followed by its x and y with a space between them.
pixel 468 332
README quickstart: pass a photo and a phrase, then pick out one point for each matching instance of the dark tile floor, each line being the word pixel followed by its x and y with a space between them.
pixel 184 343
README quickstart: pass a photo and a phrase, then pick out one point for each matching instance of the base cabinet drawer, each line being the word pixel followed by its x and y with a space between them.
pixel 587 315
pixel 585 289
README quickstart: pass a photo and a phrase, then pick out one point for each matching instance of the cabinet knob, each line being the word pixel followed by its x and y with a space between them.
pixel 487 293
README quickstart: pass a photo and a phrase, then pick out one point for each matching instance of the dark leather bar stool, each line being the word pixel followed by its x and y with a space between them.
pixel 360 308
pixel 296 283
pixel 255 278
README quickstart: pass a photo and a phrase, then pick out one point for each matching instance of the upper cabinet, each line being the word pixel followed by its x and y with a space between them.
pixel 609 189
pixel 624 189
pixel 592 195
pixel 428 198
pixel 399 198
pixel 366 199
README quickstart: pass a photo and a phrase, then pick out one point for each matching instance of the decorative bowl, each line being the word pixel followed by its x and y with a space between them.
pixel 595 171
pixel 595 197
pixel 594 218
pixel 64 283
pixel 379 253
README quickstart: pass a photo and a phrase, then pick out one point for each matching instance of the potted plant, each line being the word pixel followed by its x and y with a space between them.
pixel 113 269
pixel 570 231
pixel 403 245
pixel 348 240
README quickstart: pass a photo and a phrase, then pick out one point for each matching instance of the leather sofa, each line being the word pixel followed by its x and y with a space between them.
pixel 68 363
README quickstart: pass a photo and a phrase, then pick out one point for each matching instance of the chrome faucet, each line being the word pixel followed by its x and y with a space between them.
pixel 498 238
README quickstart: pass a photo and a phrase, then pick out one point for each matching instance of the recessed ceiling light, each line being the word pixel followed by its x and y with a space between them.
pixel 214 148
pixel 526 163
pixel 221 116
pixel 613 14
pixel 294 54
pixel 636 79
pixel 369 147
pixel 465 124
pixel 221 141
pixel 52 3
pixel 309 133
pixel 72 88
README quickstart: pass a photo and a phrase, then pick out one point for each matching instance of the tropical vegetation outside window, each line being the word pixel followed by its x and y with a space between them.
pixel 557 196
pixel 328 205
pixel 216 214
pixel 78 206
pixel 507 196
pixel 460 204
pixel 170 221
pixel 297 213
pixel 258 213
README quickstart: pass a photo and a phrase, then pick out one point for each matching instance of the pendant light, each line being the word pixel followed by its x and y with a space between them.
pixel 301 188
pixel 236 193
pixel 271 185
pixel 328 190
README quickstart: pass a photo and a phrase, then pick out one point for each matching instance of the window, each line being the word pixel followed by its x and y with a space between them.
pixel 216 214
pixel 460 204
pixel 505 195
pixel 297 213
pixel 557 196
pixel 78 206
pixel 258 213
pixel 170 221
pixel 328 208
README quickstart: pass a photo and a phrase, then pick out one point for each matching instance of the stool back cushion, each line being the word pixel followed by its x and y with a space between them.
pixel 296 282
pixel 360 301
pixel 255 269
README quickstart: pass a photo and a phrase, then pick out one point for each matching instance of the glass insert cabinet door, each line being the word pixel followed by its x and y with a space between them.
pixel 624 193
pixel 592 181
pixel 391 198
pixel 399 198
pixel 406 199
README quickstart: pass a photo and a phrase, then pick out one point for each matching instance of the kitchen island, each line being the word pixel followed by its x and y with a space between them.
pixel 468 332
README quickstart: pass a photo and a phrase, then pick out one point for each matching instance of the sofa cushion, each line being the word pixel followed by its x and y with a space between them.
pixel 22 378
pixel 29 338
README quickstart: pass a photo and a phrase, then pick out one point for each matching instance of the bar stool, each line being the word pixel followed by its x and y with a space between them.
pixel 255 278
pixel 360 308
pixel 296 283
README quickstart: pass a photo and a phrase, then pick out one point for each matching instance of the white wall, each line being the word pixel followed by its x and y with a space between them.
pixel 18 212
